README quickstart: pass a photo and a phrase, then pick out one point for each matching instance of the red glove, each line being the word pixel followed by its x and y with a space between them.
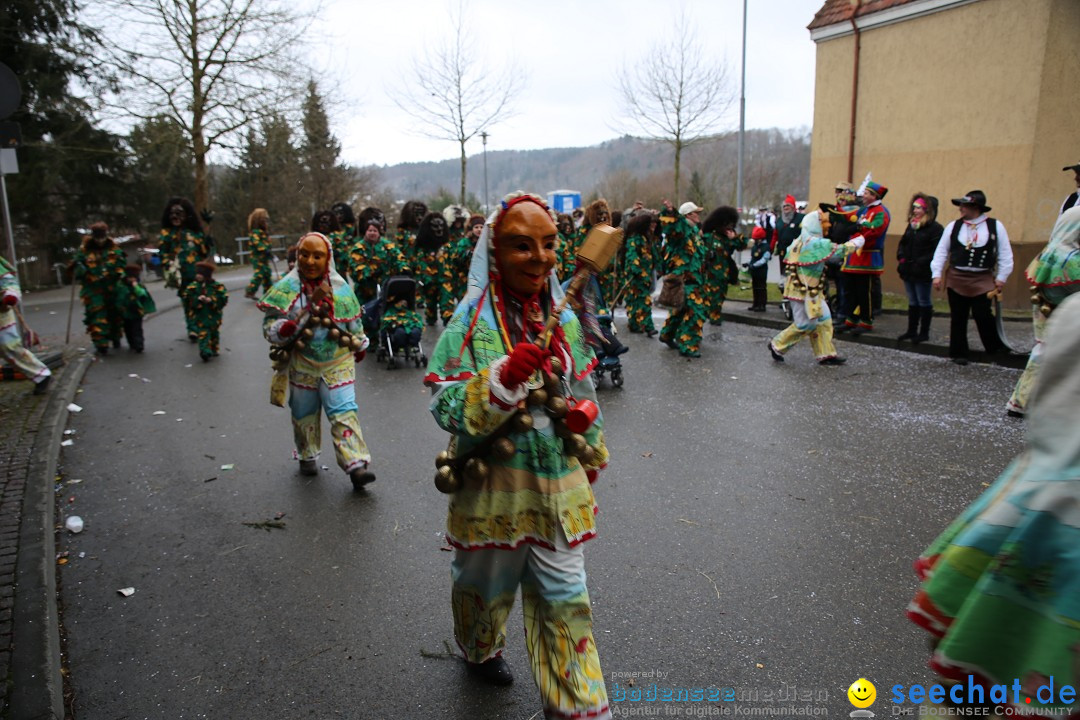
pixel 359 355
pixel 9 300
pixel 592 475
pixel 525 358
pixel 287 329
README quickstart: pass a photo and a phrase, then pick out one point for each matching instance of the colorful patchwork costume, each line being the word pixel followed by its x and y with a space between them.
pixel 99 267
pixel 1001 585
pixel 1053 275
pixel 321 374
pixel 11 343
pixel 206 299
pixel 524 523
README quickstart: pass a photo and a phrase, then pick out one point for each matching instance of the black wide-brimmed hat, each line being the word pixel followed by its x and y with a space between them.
pixel 1074 168
pixel 973 197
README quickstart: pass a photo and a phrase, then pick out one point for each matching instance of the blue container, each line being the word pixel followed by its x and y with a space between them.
pixel 564 201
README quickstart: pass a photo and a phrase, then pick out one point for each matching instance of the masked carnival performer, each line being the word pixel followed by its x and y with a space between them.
pixel 11 341
pixel 639 269
pixel 99 266
pixel 313 322
pixel 207 299
pixel 344 237
pixel 684 256
pixel 868 262
pixel 412 212
pixel 260 247
pixel 182 243
pixel 722 242
pixel 598 213
pixel 525 503
pixel 1000 585
pixel 428 260
pixel 1053 275
pixel 805 263
pixel 455 267
pixel 564 266
pixel 373 260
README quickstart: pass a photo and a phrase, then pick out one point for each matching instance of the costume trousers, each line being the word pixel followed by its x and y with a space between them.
pixel 209 340
pixel 1022 391
pixel 818 330
pixel 859 311
pixel 189 311
pixel 717 294
pixel 133 331
pixel 980 308
pixel 261 277
pixel 558 620
pixel 639 304
pixel 101 318
pixel 683 326
pixel 339 403
pixel 431 292
pixel 13 350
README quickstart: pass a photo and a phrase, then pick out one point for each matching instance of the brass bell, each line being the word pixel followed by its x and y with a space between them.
pixel 356 344
pixel 442 458
pixel 345 340
pixel 476 469
pixel 556 407
pixel 588 456
pixel 1046 310
pixel 1035 299
pixel 335 334
pixel 561 429
pixel 552 384
pixel 308 333
pixel 300 344
pixel 522 422
pixel 576 444
pixel 327 322
pixel 556 366
pixel 537 397
pixel 503 448
pixel 447 480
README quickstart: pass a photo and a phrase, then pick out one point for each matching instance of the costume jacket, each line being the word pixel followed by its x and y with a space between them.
pixel 370 265
pixel 184 247
pixel 684 251
pixel 873 223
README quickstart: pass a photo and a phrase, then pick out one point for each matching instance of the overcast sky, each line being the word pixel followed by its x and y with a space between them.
pixel 570 51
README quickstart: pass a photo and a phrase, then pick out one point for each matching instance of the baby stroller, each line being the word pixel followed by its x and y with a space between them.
pixel 408 346
pixel 609 350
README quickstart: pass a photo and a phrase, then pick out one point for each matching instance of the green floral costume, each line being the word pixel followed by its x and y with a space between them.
pixel 685 256
pixel 638 269
pixel 343 242
pixel 455 275
pixel 206 314
pixel 134 301
pixel 259 245
pixel 184 248
pixel 99 270
pixel 371 264
pixel 719 260
pixel 567 256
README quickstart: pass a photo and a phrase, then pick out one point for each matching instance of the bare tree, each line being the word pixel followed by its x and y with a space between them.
pixel 212 66
pixel 675 94
pixel 452 94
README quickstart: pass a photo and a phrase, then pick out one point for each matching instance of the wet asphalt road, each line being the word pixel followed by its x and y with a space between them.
pixel 757 527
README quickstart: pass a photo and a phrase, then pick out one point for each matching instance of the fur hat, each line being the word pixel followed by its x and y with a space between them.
pixel 474 220
pixel 593 210
pixel 205 268
pixel 133 271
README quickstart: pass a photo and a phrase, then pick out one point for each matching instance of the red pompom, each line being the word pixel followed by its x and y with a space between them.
pixel 287 329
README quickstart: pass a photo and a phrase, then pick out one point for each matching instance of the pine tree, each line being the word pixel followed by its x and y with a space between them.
pixel 326 178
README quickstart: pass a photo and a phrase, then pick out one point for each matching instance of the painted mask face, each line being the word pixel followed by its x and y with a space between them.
pixel 438 227
pixel 525 248
pixel 176 215
pixel 418 214
pixel 312 257
pixel 603 217
pixel 324 225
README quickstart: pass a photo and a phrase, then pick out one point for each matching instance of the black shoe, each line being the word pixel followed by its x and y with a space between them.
pixel 832 361
pixel 494 671
pixel 670 343
pixel 361 477
pixel 651 333
pixel 907 336
pixel 205 356
pixel 308 467
pixel 1015 414
pixel 42 386
pixel 960 361
pixel 635 331
pixel 193 337
pixel 102 350
pixel 840 330
pixel 690 353
pixel 858 331
pixel 775 355
pixel 920 338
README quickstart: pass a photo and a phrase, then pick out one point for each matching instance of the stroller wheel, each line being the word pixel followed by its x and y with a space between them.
pixel 616 378
pixel 423 359
pixel 416 359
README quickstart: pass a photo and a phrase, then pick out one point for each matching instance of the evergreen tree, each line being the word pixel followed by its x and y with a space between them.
pixel 162 166
pixel 326 179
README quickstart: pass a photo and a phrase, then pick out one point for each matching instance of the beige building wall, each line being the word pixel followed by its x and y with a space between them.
pixel 976 96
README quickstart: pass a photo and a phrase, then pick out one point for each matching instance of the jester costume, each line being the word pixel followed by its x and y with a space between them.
pixel 455 274
pixel 866 263
pixel 259 244
pixel 524 524
pixel 183 248
pixel 719 263
pixel 805 263
pixel 685 256
pixel 638 269
pixel 206 313
pixel 1053 275
pixel 1001 585
pixel 99 269
pixel 322 374
pixel 11 342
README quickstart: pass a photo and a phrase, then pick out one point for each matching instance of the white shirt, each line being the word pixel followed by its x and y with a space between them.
pixel 982 236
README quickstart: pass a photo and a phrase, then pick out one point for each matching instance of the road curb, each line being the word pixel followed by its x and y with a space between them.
pixel 38 688
pixel 1018 361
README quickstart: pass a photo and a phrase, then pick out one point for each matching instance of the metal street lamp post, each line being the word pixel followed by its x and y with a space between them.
pixel 484 137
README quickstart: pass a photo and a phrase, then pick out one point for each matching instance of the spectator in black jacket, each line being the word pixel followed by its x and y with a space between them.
pixel 913 255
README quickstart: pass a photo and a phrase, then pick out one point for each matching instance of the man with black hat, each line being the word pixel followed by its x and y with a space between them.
pixel 1073 199
pixel 980 260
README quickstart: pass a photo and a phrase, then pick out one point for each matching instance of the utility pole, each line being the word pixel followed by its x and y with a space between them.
pixel 742 115
pixel 484 137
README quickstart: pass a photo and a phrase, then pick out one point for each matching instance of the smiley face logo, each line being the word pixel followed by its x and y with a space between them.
pixel 862 693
